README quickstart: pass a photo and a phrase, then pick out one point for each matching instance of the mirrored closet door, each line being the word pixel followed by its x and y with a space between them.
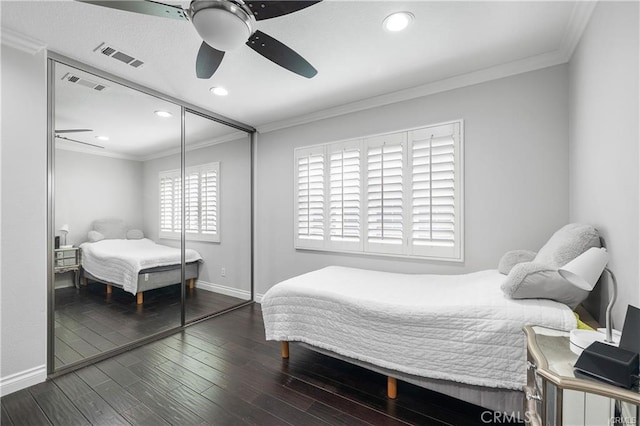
pixel 218 216
pixel 126 168
pixel 106 215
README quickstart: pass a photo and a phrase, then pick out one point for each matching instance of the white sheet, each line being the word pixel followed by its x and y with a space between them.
pixel 451 327
pixel 120 261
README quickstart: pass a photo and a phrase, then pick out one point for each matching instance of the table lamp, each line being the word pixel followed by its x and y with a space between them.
pixel 64 230
pixel 583 272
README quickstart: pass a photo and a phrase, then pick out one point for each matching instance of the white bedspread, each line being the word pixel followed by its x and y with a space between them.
pixel 120 261
pixel 452 327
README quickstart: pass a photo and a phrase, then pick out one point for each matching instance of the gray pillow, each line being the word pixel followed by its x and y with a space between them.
pixel 111 228
pixel 134 234
pixel 94 236
pixel 531 280
pixel 566 244
pixel 512 258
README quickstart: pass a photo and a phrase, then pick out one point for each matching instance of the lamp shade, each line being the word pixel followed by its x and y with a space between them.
pixel 584 270
pixel 64 228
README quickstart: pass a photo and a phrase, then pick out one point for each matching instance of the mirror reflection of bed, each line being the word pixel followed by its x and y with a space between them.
pixel 117 169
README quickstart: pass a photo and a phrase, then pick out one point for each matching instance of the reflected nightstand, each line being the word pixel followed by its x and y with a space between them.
pixel 67 260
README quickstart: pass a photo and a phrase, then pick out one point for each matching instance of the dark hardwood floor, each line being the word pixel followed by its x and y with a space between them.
pixel 222 372
pixel 89 322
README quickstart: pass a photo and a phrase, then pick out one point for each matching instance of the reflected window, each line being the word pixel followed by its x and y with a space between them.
pixel 201 199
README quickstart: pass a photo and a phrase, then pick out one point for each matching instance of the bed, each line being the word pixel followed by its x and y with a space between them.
pixel 127 260
pixel 460 335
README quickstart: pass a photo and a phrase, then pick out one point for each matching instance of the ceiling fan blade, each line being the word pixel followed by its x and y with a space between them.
pixel 267 9
pixel 142 6
pixel 208 60
pixel 282 55
pixel 77 141
pixel 73 130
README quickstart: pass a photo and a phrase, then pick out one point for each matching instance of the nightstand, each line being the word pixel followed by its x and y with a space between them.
pixel 554 396
pixel 67 260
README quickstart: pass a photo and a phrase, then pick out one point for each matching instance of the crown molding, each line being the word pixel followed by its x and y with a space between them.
pixel 578 21
pixel 192 147
pixel 463 80
pixel 21 42
pixel 174 151
pixel 97 151
pixel 580 16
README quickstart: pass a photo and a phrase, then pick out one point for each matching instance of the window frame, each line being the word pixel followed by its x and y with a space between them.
pixel 365 247
pixel 213 237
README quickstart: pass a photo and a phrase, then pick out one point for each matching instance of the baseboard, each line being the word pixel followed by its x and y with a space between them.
pixel 223 289
pixel 258 298
pixel 22 380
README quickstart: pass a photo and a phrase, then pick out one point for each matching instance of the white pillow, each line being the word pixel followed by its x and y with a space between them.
pixel 94 236
pixel 134 234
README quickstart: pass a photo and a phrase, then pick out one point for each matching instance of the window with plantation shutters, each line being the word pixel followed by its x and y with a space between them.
pixel 385 191
pixel 434 217
pixel 201 203
pixel 310 209
pixel 394 194
pixel 209 201
pixel 345 195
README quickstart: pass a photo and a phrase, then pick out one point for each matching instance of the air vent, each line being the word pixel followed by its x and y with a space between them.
pixel 72 78
pixel 115 53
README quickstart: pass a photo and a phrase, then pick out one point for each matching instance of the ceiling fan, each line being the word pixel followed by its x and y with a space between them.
pixel 224 25
pixel 59 132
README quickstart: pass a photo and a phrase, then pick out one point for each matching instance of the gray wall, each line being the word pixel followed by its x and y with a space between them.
pixel 516 178
pixel 604 181
pixel 234 250
pixel 23 224
pixel 90 187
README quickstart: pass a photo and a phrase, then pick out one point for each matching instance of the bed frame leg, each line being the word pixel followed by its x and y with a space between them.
pixel 109 289
pixel 392 387
pixel 192 283
pixel 139 298
pixel 84 281
pixel 285 350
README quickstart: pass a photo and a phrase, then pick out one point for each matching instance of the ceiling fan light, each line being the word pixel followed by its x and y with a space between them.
pixel 223 26
pixel 397 21
pixel 102 138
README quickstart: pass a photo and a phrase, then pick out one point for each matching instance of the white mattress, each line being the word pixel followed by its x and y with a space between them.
pixel 451 327
pixel 120 261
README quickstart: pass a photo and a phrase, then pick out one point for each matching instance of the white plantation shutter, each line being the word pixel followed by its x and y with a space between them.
pixel 345 195
pixel 170 202
pixel 166 203
pixel 192 201
pixel 398 194
pixel 435 192
pixel 310 211
pixel 201 203
pixel 209 201
pixel 385 163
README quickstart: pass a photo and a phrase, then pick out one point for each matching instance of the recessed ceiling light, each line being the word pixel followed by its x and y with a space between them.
pixel 163 114
pixel 397 21
pixel 219 91
pixel 102 138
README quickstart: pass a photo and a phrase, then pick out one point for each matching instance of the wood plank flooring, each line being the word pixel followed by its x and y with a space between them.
pixel 222 372
pixel 89 322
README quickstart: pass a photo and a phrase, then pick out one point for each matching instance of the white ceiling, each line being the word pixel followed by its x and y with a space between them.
pixel 450 43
